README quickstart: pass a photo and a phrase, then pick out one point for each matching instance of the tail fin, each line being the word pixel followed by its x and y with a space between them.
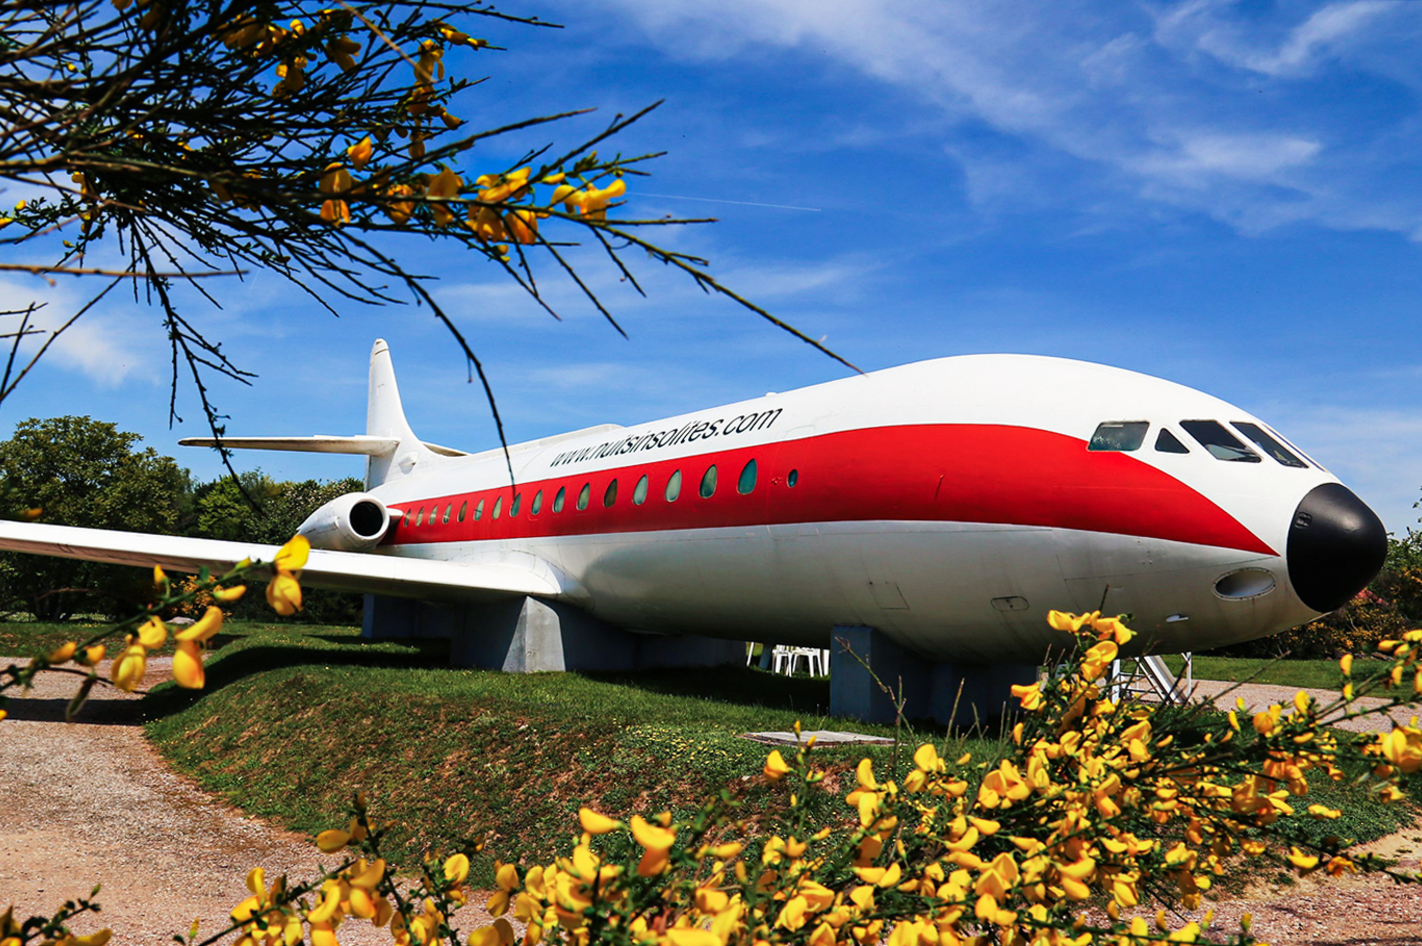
pixel 385 417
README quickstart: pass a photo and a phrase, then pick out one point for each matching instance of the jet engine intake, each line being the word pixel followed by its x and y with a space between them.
pixel 355 522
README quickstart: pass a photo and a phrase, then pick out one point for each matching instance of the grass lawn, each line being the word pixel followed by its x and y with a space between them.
pixel 1323 674
pixel 295 719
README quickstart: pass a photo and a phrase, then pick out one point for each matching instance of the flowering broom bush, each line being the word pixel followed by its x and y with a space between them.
pixel 1099 818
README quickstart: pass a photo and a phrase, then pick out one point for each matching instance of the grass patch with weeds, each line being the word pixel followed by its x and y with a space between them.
pixel 1319 674
pixel 295 719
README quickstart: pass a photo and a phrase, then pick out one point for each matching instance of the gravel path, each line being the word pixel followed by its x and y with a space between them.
pixel 90 802
pixel 1260 696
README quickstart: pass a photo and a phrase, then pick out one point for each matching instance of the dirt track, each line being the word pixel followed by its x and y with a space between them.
pixel 90 802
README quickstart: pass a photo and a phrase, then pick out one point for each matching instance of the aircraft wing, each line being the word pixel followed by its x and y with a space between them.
pixel 402 576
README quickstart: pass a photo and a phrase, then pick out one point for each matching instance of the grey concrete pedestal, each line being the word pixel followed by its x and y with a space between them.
pixel 929 689
pixel 530 635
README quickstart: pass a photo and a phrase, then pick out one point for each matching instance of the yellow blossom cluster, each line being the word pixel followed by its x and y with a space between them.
pixel 1096 815
pixel 284 590
pixel 1096 803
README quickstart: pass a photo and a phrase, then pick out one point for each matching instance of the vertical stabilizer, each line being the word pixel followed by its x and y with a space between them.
pixel 385 417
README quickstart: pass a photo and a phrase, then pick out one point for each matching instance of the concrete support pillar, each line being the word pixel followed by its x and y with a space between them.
pixel 530 635
pixel 929 689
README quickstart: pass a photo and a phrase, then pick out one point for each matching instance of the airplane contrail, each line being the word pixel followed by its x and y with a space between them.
pixel 742 203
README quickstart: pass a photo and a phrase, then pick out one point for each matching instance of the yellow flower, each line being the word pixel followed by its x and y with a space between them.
pixel 229 594
pixel 1304 862
pixel 593 202
pixel 152 633
pixel 187 666
pixel 1030 696
pixel 284 595
pixel 127 671
pixel 456 869
pixel 332 840
pixel 335 179
pixel 360 153
pixel 1345 664
pixel 292 556
pixel 400 211
pixel 522 226
pixel 594 823
pixel 92 655
pixel 775 767
pixel 204 628
pixel 445 186
pixel 341 50
pixel 336 212
pixel 1403 748
pixel 61 653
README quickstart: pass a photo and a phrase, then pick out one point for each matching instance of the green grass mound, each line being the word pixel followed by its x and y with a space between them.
pixel 296 719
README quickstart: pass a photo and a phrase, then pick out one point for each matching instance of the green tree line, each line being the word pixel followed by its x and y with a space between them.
pixel 83 472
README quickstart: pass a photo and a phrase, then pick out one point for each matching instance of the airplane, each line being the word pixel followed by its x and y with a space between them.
pixel 929 514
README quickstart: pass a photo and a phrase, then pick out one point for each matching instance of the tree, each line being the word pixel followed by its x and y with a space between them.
pixel 84 472
pixel 207 138
pixel 222 511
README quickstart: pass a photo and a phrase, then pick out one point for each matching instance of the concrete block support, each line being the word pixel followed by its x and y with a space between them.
pixel 530 635
pixel 929 689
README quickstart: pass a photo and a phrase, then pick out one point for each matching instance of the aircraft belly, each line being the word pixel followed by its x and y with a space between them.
pixel 972 592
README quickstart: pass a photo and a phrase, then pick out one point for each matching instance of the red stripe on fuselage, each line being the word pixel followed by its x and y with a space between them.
pixel 934 473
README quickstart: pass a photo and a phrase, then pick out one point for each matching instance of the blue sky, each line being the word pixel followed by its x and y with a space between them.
pixel 1228 195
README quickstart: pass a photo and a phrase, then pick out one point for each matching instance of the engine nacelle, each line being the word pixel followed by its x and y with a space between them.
pixel 355 522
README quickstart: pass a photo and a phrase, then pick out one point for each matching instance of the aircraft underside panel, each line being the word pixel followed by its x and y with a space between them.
pixel 961 591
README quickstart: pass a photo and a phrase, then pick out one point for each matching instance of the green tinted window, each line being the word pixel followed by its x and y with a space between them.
pixel 708 482
pixel 558 500
pixel 746 484
pixel 584 495
pixel 674 487
pixel 639 494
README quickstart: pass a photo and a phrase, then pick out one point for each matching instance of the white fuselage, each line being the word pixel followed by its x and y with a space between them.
pixel 949 504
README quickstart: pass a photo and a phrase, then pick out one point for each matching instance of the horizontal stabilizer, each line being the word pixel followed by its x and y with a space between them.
pixel 400 576
pixel 360 444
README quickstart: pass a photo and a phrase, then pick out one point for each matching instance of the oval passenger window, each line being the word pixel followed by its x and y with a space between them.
pixel 498 507
pixel 513 508
pixel 447 510
pixel 479 511
pixel 583 496
pixel 639 495
pixel 610 497
pixel 674 487
pixel 792 478
pixel 558 500
pixel 463 508
pixel 708 482
pixel 537 506
pixel 746 483
pixel 420 517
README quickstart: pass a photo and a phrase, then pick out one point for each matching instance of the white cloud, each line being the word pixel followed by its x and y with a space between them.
pixel 1160 102
pixel 1248 156
pixel 108 344
pixel 1209 26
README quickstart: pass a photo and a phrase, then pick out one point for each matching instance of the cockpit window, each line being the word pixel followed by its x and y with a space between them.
pixel 1268 444
pixel 1119 435
pixel 1166 442
pixel 1221 444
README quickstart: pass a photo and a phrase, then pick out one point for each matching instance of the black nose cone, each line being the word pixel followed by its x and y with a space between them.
pixel 1336 546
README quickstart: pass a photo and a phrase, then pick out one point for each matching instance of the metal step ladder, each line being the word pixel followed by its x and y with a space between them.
pixel 1150 677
